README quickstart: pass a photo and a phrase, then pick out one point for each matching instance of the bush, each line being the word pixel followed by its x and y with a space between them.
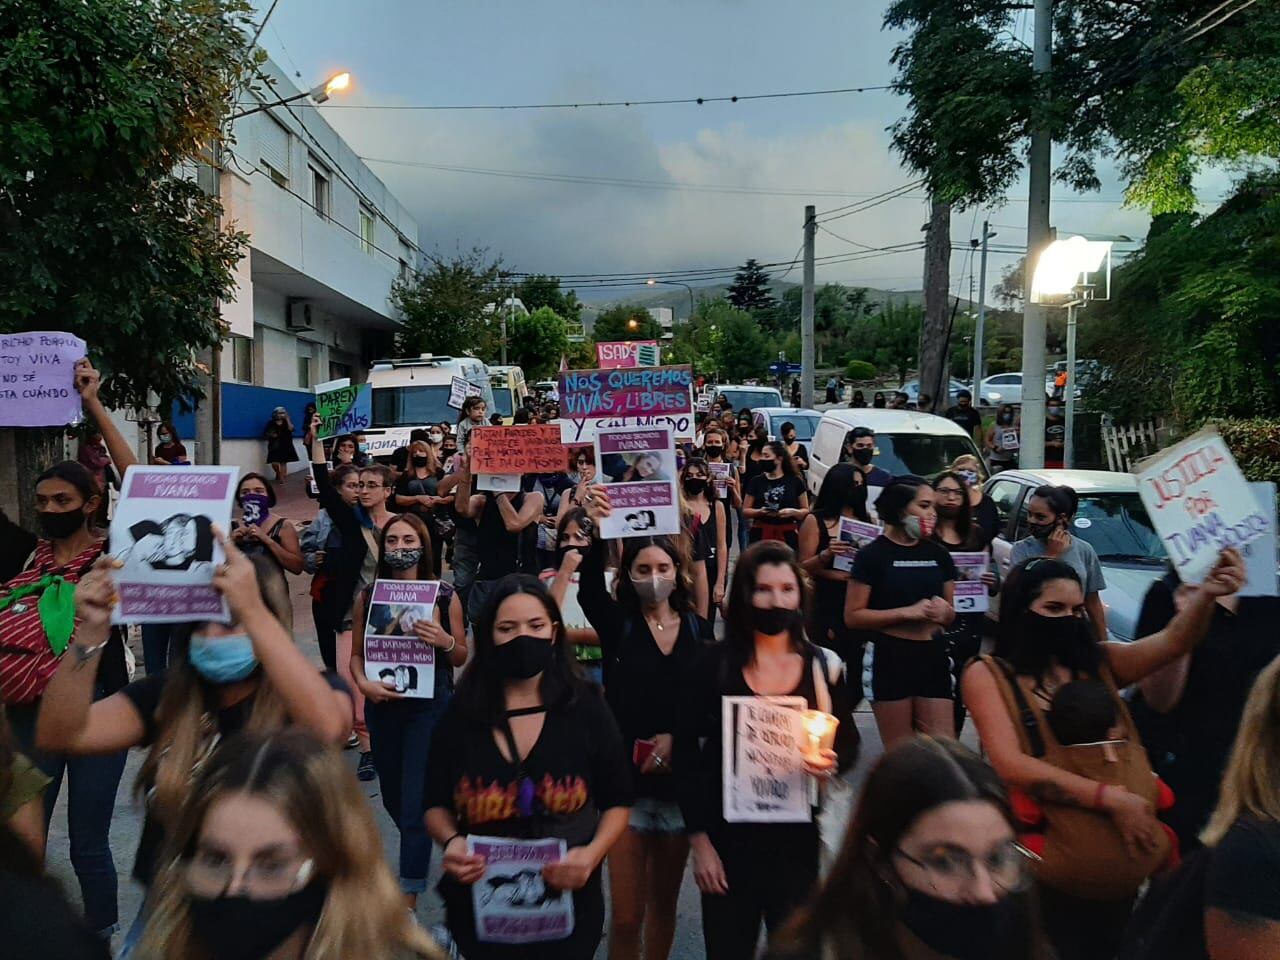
pixel 1256 446
pixel 860 370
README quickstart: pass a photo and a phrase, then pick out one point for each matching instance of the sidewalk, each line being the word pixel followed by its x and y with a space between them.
pixel 293 504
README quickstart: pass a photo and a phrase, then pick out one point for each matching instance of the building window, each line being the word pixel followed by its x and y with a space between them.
pixel 274 145
pixel 304 370
pixel 367 223
pixel 320 197
pixel 242 359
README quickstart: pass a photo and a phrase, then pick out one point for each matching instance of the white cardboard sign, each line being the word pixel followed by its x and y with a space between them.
pixel 764 778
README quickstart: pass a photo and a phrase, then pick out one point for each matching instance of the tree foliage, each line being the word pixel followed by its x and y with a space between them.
pixel 536 342
pixel 750 289
pixel 541 290
pixel 889 339
pixel 443 308
pixel 627 321
pixel 103 105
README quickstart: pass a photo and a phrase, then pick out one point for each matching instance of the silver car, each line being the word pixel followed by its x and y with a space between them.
pixel 1111 518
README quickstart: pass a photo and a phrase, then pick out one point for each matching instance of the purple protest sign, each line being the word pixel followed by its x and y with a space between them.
pixel 511 901
pixel 190 484
pixel 37 379
pixel 626 392
pixel 155 602
pixel 641 462
pixel 394 654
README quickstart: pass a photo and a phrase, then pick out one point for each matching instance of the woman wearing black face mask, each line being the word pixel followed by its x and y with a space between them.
pixel 277 855
pixel 930 869
pixel 706 524
pixel 526 750
pixel 843 495
pixel 753 872
pixel 1046 642
pixel 877 401
pixel 573 542
pixel 650 637
pixel 417 492
pixel 1004 439
pixel 776 499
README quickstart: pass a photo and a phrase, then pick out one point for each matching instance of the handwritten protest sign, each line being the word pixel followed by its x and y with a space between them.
pixel 345 409
pixel 857 533
pixel 592 394
pixel 581 430
pixel 1200 503
pixel 511 901
pixel 1260 555
pixel 626 354
pixel 459 390
pixel 534 448
pixel 37 379
pixel 720 473
pixel 971 594
pixel 764 778
pixel 163 534
pixel 643 498
pixel 394 655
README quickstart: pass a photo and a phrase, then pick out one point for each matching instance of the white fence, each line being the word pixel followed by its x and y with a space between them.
pixel 1125 444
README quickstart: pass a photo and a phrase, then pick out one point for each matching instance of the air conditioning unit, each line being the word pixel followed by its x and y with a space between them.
pixel 298 316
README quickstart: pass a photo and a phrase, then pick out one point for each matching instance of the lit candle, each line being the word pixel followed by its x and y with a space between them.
pixel 820 730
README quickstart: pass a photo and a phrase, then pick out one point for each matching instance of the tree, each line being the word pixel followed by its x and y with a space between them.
pixel 935 330
pixel 541 290
pixel 443 308
pixel 750 289
pixel 104 103
pixel 536 341
pixel 890 338
pixel 626 322
pixel 741 348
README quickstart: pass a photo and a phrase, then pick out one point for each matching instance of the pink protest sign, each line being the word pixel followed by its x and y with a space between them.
pixel 37 379
pixel 636 392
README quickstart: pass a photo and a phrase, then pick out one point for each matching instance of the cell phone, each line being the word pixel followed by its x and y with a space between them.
pixel 641 750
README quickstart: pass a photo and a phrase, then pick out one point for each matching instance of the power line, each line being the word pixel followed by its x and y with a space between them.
pixel 258 30
pixel 892 195
pixel 699 101
pixel 913 183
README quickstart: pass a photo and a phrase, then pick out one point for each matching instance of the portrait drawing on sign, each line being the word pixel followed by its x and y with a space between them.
pixel 181 542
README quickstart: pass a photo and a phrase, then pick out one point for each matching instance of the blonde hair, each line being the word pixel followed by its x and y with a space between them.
pixel 424 448
pixel 185 732
pixel 307 781
pixel 1251 784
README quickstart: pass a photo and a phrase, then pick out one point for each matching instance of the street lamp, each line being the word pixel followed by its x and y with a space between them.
pixel 675 283
pixel 1063 270
pixel 318 94
pixel 633 325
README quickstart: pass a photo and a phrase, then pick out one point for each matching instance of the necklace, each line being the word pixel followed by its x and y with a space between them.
pixel 658 624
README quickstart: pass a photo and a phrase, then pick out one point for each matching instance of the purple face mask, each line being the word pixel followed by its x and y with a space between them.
pixel 256 507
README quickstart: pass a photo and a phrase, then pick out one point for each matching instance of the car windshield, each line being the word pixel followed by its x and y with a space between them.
pixel 412 406
pixel 805 425
pixel 924 455
pixel 750 399
pixel 1118 528
pixel 502 400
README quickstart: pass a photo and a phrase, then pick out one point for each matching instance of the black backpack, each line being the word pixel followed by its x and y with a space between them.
pixel 1168 923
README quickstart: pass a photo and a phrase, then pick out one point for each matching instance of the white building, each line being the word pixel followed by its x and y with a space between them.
pixel 666 319
pixel 327 240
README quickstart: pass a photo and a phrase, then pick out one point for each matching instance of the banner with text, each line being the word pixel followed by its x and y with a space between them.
pixel 643 496
pixel 636 392
pixel 856 533
pixel 37 379
pixel 764 778
pixel 971 595
pixel 534 448
pixel 575 431
pixel 511 901
pixel 394 654
pixel 627 353
pixel 344 410
pixel 1200 503
pixel 460 389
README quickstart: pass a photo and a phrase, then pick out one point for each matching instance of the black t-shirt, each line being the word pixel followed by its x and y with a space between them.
pixel 499 548
pixel 900 576
pixel 987 517
pixel 1055 431
pixel 145 694
pixel 967 417
pixel 1245 873
pixel 780 494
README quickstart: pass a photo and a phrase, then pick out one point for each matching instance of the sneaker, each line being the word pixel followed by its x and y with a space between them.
pixel 365 770
pixel 352 742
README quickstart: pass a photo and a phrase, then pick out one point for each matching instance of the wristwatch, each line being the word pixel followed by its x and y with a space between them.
pixel 85 654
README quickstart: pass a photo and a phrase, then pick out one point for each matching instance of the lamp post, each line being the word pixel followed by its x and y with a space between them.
pixel 318 94
pixel 1063 271
pixel 674 283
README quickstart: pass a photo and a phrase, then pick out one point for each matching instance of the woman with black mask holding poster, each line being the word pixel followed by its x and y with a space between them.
pixel 706 523
pixel 650 638
pixel 776 500
pixel 526 750
pixel 843 494
pixel 757 871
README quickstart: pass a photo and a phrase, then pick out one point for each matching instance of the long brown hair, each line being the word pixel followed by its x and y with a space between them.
pixel 184 729
pixel 739 616
pixel 310 785
pixel 1251 785
pixel 426 570
pixel 677 548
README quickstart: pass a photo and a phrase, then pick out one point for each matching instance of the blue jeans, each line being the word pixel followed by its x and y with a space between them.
pixel 91 800
pixel 400 736
pixel 155 647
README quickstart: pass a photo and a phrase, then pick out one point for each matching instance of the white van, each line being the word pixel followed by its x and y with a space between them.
pixel 907 442
pixel 414 392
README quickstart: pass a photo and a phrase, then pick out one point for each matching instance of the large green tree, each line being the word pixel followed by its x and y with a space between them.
pixel 750 289
pixel 104 109
pixel 445 309
pixel 541 290
pixel 626 321
pixel 536 342
pixel 889 338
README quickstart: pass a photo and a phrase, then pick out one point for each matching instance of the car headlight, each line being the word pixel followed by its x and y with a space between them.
pixel 993 396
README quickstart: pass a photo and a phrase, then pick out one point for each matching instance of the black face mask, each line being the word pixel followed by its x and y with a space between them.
pixel 1061 636
pixel 60 525
pixel 1006 418
pixel 419 461
pixel 522 657
pixel 713 452
pixel 240 928
pixel 695 487
pixel 772 621
pixel 1041 531
pixel 862 456
pixel 966 931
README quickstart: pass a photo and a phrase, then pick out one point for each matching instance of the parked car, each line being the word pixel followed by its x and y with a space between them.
pixel 906 442
pixel 1111 518
pixel 772 418
pixel 748 397
pixel 912 389
pixel 1003 388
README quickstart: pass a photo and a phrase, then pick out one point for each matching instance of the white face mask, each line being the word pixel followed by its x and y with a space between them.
pixel 436 439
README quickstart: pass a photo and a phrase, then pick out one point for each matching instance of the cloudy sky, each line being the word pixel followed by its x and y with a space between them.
pixel 828 150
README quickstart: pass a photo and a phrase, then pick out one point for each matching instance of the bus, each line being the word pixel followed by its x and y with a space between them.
pixel 509 391
pixel 414 392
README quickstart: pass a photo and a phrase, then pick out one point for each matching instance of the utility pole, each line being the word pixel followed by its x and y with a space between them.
pixel 980 330
pixel 503 316
pixel 1033 315
pixel 806 310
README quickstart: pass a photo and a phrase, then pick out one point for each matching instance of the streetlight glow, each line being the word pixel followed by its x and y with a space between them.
pixel 335 84
pixel 1063 263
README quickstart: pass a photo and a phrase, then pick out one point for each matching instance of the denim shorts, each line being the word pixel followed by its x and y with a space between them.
pixel 649 815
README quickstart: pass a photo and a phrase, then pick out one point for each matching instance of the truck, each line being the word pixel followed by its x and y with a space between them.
pixel 413 392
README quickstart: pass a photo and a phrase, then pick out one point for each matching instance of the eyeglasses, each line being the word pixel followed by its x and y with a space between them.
pixel 951 870
pixel 949 493
pixel 209 873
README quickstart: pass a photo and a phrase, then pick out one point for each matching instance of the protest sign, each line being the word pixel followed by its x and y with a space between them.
pixel 1260 555
pixel 386 442
pixel 1200 503
pixel 859 534
pixel 394 655
pixel 534 448
pixel 643 497
pixel 720 473
pixel 37 379
pixel 627 353
pixel 460 389
pixel 1009 439
pixel 162 533
pixel 764 778
pixel 497 482
pixel 345 409
pixel 511 901
pixel 593 394
pixel 970 594
pixel 574 430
